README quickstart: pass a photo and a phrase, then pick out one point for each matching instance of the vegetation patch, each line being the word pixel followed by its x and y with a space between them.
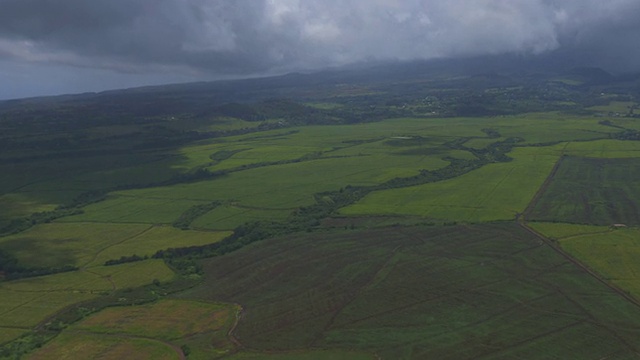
pixel 420 292
pixel 494 192
pixel 592 191
pixel 69 346
pixel 610 251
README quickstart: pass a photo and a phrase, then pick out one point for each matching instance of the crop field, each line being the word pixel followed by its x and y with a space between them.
pixel 69 346
pixel 493 192
pixel 157 238
pixel 592 191
pixel 228 217
pixel 613 253
pixel 59 244
pixel 91 244
pixel 490 291
pixel 127 209
pixel 166 319
pixel 534 127
pixel 281 187
pixel 201 326
pixel 27 302
pixel 304 355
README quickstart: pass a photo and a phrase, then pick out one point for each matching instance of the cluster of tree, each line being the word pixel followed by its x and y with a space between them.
pixel 125 259
pixel 10 268
pixel 628 134
pixel 194 212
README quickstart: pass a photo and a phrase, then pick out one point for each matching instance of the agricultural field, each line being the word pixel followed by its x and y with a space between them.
pixel 164 328
pixel 612 252
pixel 91 244
pixel 69 346
pixel 592 191
pixel 494 192
pixel 27 302
pixel 490 291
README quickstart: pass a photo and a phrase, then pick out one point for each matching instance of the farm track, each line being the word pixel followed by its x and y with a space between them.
pixel 230 335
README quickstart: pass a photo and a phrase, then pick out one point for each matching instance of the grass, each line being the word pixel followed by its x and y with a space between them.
pixel 490 291
pixel 493 192
pixel 592 191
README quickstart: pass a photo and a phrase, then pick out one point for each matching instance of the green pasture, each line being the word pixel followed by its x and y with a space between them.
pixel 71 346
pixel 592 191
pixel 477 291
pixel 494 192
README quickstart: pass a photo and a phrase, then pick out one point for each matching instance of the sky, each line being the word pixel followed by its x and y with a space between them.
pixel 69 46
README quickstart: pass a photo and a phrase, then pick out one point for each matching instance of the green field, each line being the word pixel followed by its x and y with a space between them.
pixel 592 191
pixel 74 346
pixel 435 292
pixel 610 252
pixel 493 192
pixel 91 244
pixel 156 328
pixel 27 302
pixel 228 217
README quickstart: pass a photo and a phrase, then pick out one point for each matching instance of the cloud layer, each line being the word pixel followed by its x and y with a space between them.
pixel 243 37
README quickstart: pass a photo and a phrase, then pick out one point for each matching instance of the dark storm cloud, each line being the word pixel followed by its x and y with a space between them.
pixel 261 36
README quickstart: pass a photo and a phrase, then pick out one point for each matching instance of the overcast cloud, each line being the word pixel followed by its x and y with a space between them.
pixel 154 41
